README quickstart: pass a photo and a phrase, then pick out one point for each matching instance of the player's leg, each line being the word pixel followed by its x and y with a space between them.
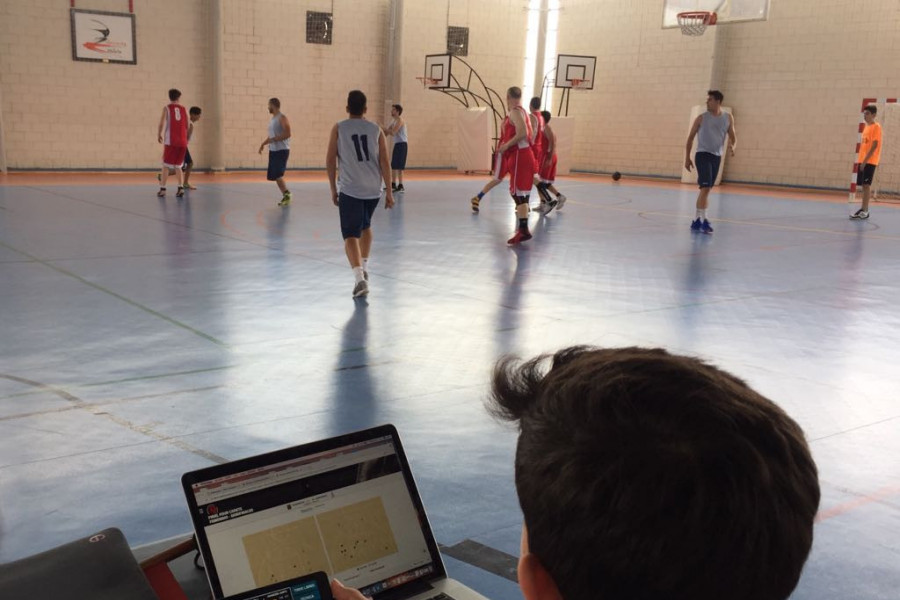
pixel 707 169
pixel 352 214
pixel 365 241
pixel 188 168
pixel 500 170
pixel 864 179
pixel 521 177
pixel 277 166
pixel 398 162
pixel 163 176
pixel 179 175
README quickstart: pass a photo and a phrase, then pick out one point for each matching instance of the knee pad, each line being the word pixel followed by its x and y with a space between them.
pixel 521 209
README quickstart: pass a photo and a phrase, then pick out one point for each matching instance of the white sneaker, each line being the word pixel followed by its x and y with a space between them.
pixel 361 289
pixel 562 202
pixel 860 215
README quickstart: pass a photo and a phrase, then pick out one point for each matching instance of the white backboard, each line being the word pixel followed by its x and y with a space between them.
pixel 727 11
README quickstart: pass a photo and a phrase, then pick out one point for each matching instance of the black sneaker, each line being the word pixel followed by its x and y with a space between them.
pixel 180 192
pixel 400 188
pixel 860 215
pixel 393 187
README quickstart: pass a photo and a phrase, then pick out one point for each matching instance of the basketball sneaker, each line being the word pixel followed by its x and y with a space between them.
pixel 860 215
pixel 361 289
pixel 188 186
pixel 400 188
pixel 161 193
pixel 180 192
pixel 476 201
pixel 393 187
pixel 706 227
pixel 696 224
pixel 286 199
pixel 562 201
pixel 522 235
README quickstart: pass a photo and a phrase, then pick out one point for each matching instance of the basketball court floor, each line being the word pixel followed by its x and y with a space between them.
pixel 142 338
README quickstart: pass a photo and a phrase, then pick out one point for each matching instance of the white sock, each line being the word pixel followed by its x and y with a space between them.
pixel 365 264
pixel 358 273
pixel 701 214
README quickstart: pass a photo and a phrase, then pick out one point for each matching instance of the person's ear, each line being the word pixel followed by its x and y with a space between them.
pixel 535 581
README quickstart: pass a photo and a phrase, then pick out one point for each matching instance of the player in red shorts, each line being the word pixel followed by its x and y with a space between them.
pixel 515 158
pixel 547 170
pixel 173 132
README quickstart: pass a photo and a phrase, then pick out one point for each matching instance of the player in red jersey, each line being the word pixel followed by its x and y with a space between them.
pixel 547 170
pixel 173 133
pixel 514 157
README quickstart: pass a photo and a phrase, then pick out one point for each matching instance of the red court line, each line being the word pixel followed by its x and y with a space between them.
pixel 846 507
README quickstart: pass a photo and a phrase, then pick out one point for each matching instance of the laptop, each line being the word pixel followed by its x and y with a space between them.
pixel 347 506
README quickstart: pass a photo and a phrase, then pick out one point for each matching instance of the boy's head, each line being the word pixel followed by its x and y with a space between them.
pixel 356 103
pixel 546 114
pixel 513 97
pixel 644 475
pixel 869 113
pixel 396 110
pixel 195 113
pixel 274 105
pixel 174 95
pixel 535 103
pixel 714 99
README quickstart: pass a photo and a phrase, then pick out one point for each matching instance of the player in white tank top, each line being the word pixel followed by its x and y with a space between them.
pixel 397 129
pixel 357 147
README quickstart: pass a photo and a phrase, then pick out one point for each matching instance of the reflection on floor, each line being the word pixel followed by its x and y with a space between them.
pixel 143 338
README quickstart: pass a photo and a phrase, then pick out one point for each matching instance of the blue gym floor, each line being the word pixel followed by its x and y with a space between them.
pixel 142 338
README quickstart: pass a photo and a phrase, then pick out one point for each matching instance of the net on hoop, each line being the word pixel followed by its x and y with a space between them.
pixel 695 23
pixel 580 84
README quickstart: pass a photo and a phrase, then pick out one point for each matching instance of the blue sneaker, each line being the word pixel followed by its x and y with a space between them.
pixel 695 225
pixel 706 227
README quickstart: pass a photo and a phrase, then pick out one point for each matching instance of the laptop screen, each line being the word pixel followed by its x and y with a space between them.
pixel 346 510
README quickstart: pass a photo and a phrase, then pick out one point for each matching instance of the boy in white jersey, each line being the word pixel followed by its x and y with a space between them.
pixel 279 143
pixel 359 147
pixel 397 129
pixel 712 127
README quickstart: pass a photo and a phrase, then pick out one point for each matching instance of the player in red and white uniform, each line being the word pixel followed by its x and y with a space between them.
pixel 173 133
pixel 547 170
pixel 515 158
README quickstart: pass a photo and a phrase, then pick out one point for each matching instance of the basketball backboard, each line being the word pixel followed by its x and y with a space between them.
pixel 571 68
pixel 437 70
pixel 727 11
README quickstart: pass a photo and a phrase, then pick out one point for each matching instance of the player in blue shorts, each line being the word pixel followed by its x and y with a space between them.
pixel 358 147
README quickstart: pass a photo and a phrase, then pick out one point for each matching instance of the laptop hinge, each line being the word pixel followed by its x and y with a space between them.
pixel 408 590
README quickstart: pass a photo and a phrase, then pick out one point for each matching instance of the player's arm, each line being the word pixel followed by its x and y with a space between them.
pixel 286 126
pixel 190 131
pixel 515 117
pixel 392 128
pixel 162 123
pixel 551 139
pixel 732 136
pixel 331 163
pixel 688 163
pixel 385 171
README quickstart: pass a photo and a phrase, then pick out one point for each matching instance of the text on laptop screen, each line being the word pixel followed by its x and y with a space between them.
pixel 347 512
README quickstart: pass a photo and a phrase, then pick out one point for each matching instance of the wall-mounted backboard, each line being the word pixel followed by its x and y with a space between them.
pixel 727 11
pixel 572 69
pixel 437 70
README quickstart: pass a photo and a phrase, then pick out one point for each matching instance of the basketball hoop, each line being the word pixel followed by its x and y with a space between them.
pixel 695 23
pixel 581 84
pixel 428 81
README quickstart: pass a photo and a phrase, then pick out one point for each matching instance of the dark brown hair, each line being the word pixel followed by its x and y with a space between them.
pixel 645 475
